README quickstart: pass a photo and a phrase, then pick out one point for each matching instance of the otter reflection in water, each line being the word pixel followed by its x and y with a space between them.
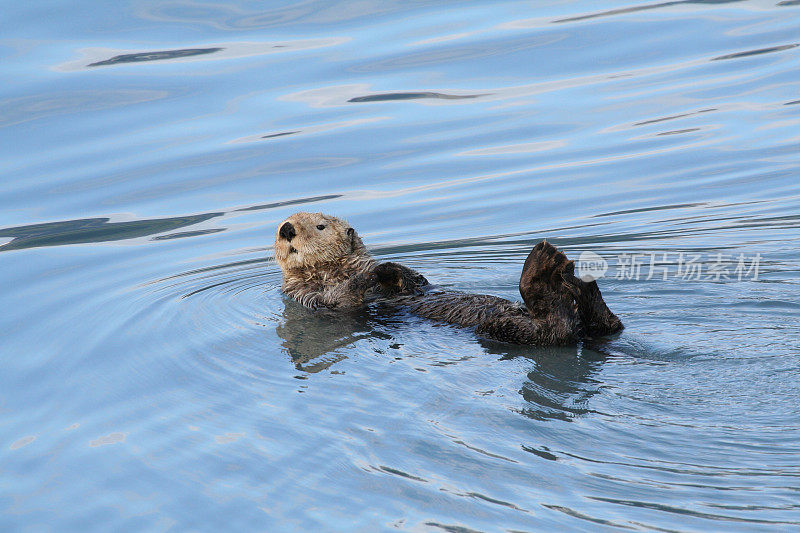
pixel 559 381
pixel 325 265
pixel 316 341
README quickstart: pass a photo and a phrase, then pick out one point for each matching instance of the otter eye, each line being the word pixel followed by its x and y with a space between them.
pixel 320 227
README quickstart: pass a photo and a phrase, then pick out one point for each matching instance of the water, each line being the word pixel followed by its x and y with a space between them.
pixel 154 377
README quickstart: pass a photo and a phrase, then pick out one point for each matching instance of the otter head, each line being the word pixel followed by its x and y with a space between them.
pixel 307 240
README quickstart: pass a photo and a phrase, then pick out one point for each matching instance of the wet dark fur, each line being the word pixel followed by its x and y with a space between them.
pixel 325 264
pixel 559 308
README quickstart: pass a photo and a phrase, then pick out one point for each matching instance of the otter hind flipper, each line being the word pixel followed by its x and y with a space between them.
pixel 541 284
pixel 595 315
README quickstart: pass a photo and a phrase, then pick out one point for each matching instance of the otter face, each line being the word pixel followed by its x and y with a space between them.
pixel 305 240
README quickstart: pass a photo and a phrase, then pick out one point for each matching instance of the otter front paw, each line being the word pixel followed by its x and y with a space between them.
pixel 389 277
pixel 393 279
pixel 389 274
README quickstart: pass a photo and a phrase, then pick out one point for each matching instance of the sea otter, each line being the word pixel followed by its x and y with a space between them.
pixel 325 264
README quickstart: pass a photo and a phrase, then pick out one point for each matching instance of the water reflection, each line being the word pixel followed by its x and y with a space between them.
pixel 238 16
pixel 19 110
pixel 100 57
pixel 179 346
pixel 96 230
pixel 315 339
pixel 297 201
pixel 101 230
pixel 154 56
pixel 559 387
pixel 281 134
pixel 647 7
pixel 757 52
pixel 336 95
pixel 383 97
pixel 562 381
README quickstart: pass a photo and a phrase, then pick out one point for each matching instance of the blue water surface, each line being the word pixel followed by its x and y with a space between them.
pixel 153 376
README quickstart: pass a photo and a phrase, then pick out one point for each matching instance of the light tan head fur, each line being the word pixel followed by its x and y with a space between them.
pixel 319 241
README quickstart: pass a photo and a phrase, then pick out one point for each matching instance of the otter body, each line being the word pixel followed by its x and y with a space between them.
pixel 325 264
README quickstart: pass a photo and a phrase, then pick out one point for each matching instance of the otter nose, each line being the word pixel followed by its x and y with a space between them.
pixel 287 231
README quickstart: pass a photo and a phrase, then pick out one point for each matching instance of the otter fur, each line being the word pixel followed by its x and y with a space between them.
pixel 325 264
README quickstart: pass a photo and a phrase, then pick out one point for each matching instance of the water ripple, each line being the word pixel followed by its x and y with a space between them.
pixel 149 357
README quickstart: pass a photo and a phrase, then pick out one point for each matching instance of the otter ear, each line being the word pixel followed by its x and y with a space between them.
pixel 350 231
